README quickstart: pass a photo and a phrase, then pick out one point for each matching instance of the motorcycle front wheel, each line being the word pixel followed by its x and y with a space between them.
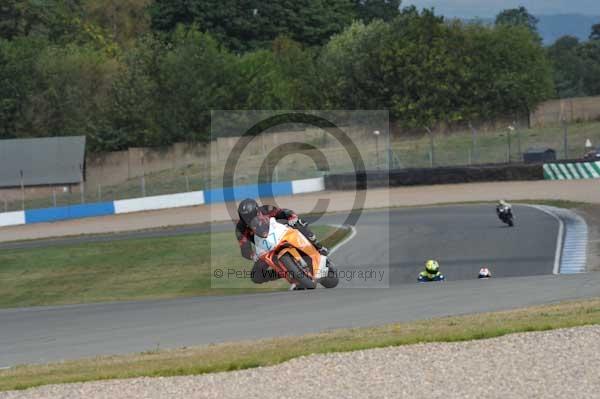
pixel 332 280
pixel 297 273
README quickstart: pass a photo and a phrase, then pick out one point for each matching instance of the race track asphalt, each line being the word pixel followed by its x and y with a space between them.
pixel 396 242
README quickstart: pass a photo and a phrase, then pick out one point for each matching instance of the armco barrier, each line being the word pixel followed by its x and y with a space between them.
pixel 571 170
pixel 431 176
pixel 161 202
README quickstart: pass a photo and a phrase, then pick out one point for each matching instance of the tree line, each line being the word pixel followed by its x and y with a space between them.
pixel 147 72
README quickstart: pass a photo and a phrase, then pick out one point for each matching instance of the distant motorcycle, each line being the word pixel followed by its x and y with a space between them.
pixel 291 255
pixel 425 279
pixel 505 214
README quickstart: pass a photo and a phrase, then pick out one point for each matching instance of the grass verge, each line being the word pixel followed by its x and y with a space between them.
pixel 243 355
pixel 132 269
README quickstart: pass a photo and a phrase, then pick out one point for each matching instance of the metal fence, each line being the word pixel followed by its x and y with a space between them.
pixel 503 145
pixel 427 149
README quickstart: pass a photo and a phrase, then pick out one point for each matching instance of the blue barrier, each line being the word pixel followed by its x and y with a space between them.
pixel 69 212
pixel 267 190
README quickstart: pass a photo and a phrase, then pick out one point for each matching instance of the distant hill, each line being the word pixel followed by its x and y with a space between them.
pixel 551 27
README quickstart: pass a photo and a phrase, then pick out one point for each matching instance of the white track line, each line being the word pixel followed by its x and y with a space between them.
pixel 345 240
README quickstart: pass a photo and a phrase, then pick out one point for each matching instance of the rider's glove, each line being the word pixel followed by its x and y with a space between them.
pixel 293 220
pixel 254 257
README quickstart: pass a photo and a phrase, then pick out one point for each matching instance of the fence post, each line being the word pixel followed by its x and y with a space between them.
pixel 22 191
pixel 81 184
pixel 54 196
pixel 508 149
pixel 473 152
pixel 99 192
pixel 565 139
pixel 5 205
pixel 143 174
pixel 519 152
pixel 377 133
pixel 389 149
pixel 187 183
pixel 431 147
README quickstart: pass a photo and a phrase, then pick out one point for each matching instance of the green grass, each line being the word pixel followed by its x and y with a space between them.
pixel 136 269
pixel 243 355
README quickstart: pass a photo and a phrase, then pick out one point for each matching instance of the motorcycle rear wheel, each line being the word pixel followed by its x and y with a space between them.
pixel 297 273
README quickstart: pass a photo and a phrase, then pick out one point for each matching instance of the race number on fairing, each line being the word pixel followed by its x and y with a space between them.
pixel 276 232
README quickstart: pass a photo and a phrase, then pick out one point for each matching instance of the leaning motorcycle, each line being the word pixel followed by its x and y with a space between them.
pixel 292 255
pixel 505 214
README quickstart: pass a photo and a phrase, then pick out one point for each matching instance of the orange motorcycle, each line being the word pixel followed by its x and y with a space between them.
pixel 291 255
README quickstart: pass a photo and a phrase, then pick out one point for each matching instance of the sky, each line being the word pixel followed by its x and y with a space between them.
pixel 490 8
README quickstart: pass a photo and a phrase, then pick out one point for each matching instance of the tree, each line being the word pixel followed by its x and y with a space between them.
pixel 18 84
pixel 165 15
pixel 427 71
pixel 135 107
pixel 576 67
pixel 568 67
pixel 352 75
pixel 595 35
pixel 512 71
pixel 123 20
pixel 73 96
pixel 17 18
pixel 424 69
pixel 518 17
pixel 386 10
pixel 195 75
pixel 590 55
pixel 53 19
pixel 285 77
pixel 243 25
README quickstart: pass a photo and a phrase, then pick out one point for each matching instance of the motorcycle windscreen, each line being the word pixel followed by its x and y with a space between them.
pixel 276 232
pixel 260 225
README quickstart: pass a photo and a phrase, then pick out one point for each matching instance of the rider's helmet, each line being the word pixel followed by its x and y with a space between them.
pixel 502 203
pixel 485 273
pixel 248 210
pixel 432 267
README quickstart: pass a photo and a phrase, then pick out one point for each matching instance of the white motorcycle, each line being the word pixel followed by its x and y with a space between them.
pixel 291 255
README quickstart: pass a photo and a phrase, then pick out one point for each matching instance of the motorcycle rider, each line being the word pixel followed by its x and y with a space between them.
pixel 502 207
pixel 484 273
pixel 431 272
pixel 248 210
